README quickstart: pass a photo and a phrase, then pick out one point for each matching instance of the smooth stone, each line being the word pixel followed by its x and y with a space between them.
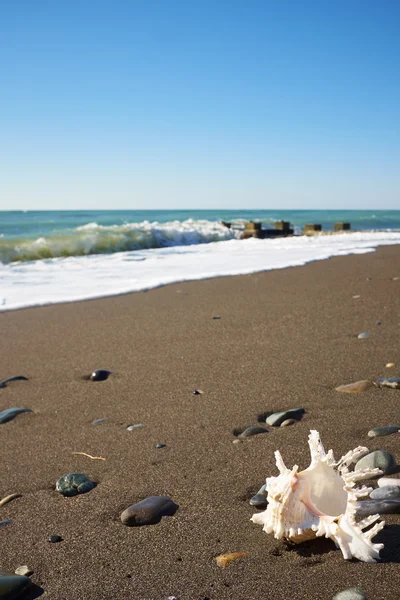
pixel 390 382
pixel 364 335
pixel 216 317
pixel 354 593
pixel 384 481
pixel 276 419
pixel 24 570
pixel 4 382
pixel 161 446
pixel 356 387
pixel 97 421
pixel 254 430
pixel 373 507
pixel 149 511
pixel 74 484
pixel 100 375
pixel 5 523
pixel 288 422
pixel 197 392
pixel 55 538
pixel 10 413
pixel 12 586
pixel 380 459
pixel 259 501
pixel 387 491
pixel 389 365
pixel 382 431
pixel 133 427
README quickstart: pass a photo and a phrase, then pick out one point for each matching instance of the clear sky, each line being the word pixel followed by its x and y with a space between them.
pixel 199 104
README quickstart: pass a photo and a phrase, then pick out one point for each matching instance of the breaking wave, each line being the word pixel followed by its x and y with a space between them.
pixel 98 239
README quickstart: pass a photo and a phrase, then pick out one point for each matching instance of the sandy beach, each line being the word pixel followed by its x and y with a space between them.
pixel 284 339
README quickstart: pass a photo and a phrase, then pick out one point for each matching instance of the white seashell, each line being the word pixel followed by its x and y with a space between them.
pixel 322 501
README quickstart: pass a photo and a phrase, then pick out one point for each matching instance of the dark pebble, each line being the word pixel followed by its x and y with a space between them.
pixel 276 419
pixel 254 430
pixel 13 586
pixel 217 317
pixel 5 523
pixel 100 375
pixel 197 392
pixel 4 382
pixel 10 413
pixel 149 511
pixel 381 459
pixel 259 501
pixel 55 538
pixel 389 382
pixel 161 445
pixel 74 484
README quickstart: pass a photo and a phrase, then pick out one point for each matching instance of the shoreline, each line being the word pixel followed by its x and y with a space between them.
pixel 285 338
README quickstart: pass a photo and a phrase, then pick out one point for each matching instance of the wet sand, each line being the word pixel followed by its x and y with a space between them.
pixel 285 339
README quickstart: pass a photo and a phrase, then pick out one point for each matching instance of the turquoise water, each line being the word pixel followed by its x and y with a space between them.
pixel 49 234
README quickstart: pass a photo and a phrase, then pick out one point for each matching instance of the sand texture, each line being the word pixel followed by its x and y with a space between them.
pixel 285 339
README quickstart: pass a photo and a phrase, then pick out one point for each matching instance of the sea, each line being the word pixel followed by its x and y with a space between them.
pixel 49 257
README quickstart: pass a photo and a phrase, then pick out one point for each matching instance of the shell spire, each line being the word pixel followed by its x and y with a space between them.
pixel 322 500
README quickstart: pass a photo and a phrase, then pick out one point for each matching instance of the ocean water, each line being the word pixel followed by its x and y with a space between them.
pixel 59 256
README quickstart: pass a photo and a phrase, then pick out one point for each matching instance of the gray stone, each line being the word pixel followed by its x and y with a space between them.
pixel 10 413
pixel 97 421
pixel 259 501
pixel 24 570
pixel 149 511
pixel 5 523
pixel 4 382
pixel 54 539
pixel 354 593
pixel 250 431
pixel 160 445
pixel 381 507
pixel 382 431
pixel 388 491
pixel 133 427
pixel 276 419
pixel 74 484
pixel 389 382
pixel 364 335
pixel 380 459
pixel 12 586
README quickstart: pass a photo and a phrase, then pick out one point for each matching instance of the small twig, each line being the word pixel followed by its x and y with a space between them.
pixel 8 499
pixel 89 456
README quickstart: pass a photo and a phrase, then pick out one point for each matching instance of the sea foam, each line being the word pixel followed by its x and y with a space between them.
pixel 55 280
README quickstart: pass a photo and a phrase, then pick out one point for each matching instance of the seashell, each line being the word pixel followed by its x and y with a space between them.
pixel 322 500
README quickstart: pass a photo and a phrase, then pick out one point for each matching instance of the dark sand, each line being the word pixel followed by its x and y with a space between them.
pixel 285 339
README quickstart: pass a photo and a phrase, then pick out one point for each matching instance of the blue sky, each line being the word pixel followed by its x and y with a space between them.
pixel 183 104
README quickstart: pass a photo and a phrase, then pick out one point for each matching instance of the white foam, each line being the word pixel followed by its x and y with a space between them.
pixel 78 278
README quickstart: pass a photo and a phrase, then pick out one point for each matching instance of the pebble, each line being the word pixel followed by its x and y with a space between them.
pixel 383 481
pixel 4 382
pixel 216 317
pixel 97 421
pixel 382 431
pixel 55 538
pixel 355 388
pixel 25 571
pixel 373 507
pixel 276 419
pixel 379 322
pixel 149 511
pixel 100 375
pixel 387 491
pixel 388 365
pixel 12 586
pixel 10 413
pixel 197 392
pixel 161 446
pixel 74 484
pixel 260 499
pixel 133 427
pixel 288 422
pixel 364 335
pixel 5 523
pixel 390 382
pixel 380 459
pixel 254 430
pixel 354 593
